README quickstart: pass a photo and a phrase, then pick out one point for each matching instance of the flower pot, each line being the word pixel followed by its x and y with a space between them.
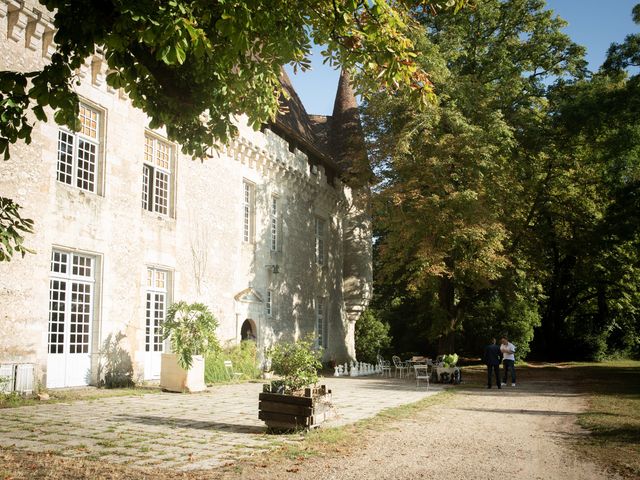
pixel 283 412
pixel 174 378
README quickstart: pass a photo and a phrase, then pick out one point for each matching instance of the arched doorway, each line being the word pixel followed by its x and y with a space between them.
pixel 248 330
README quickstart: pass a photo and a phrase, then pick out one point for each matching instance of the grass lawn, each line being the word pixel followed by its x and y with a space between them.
pixel 72 395
pixel 613 415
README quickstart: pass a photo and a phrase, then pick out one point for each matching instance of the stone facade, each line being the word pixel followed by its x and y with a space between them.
pixel 241 232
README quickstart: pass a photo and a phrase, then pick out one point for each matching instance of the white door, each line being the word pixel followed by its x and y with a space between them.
pixel 155 312
pixel 70 319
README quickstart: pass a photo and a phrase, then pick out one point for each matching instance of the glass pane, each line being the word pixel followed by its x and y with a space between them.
pixel 59 262
pixel 65 157
pixel 57 299
pixel 163 154
pixel 80 318
pixel 147 173
pixel 148 149
pixel 89 121
pixel 82 266
pixel 161 193
pixel 87 160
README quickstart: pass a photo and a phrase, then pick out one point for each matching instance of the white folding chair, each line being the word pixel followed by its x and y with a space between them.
pixel 399 365
pixel 422 373
pixel 385 366
pixel 228 366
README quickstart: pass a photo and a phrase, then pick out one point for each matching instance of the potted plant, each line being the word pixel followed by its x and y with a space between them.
pixel 293 401
pixel 191 329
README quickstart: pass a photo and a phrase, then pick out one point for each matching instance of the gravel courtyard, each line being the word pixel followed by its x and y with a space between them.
pixel 523 432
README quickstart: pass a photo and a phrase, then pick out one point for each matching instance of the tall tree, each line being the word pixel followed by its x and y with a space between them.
pixel 459 180
pixel 588 221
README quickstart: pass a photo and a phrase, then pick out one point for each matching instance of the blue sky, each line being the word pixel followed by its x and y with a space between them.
pixel 595 24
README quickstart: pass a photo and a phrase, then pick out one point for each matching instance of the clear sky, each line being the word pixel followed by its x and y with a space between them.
pixel 594 24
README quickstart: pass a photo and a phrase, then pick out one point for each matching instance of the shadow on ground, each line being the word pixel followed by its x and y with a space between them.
pixel 189 423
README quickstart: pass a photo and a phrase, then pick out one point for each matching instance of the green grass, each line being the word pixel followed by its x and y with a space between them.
pixel 14 400
pixel 243 358
pixel 613 413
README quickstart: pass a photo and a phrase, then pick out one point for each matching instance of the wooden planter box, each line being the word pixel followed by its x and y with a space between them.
pixel 292 412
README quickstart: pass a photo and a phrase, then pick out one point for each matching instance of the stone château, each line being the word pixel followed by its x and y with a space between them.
pixel 268 233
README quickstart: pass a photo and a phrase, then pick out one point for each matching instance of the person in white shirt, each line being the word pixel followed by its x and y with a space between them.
pixel 508 351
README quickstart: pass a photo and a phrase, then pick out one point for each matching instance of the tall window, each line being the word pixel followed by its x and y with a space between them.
pixel 70 302
pixel 269 304
pixel 320 232
pixel 155 308
pixel 274 223
pixel 248 209
pixel 156 175
pixel 78 152
pixel 321 326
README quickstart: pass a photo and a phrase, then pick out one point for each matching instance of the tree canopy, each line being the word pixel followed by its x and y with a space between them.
pixel 507 205
pixel 192 66
pixel 454 190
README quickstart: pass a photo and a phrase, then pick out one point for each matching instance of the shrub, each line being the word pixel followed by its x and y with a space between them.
pixel 372 336
pixel 297 363
pixel 192 330
pixel 243 357
pixel 116 368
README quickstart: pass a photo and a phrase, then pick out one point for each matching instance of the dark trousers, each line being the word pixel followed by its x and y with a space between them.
pixel 509 365
pixel 493 369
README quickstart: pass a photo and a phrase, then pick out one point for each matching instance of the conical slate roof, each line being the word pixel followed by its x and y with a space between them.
pixel 335 141
pixel 346 131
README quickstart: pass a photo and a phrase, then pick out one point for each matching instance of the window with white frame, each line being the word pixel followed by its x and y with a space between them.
pixel 321 325
pixel 248 211
pixel 320 233
pixel 274 223
pixel 71 297
pixel 269 303
pixel 157 175
pixel 155 308
pixel 79 152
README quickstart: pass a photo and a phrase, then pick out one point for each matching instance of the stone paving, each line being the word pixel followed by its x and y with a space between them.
pixel 193 431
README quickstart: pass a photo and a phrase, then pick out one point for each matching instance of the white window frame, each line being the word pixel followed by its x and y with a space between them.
pixel 158 170
pixel 79 154
pixel 269 303
pixel 320 240
pixel 248 211
pixel 321 322
pixel 157 288
pixel 73 283
pixel 274 223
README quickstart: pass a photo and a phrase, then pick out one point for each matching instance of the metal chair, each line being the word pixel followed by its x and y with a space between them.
pixel 399 365
pixel 422 373
pixel 228 366
pixel 385 366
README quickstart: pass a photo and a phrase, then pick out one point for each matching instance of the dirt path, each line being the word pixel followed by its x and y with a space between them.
pixel 515 433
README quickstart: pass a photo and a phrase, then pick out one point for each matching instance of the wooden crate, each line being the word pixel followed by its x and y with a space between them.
pixel 290 412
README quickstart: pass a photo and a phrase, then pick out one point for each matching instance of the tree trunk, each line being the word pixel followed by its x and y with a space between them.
pixel 446 300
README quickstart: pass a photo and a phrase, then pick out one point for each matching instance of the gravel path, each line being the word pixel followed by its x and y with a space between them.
pixel 514 433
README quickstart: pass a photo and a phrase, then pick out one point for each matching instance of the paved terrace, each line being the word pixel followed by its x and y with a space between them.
pixel 184 431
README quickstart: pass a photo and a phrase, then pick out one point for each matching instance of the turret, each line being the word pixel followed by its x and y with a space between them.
pixel 350 154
